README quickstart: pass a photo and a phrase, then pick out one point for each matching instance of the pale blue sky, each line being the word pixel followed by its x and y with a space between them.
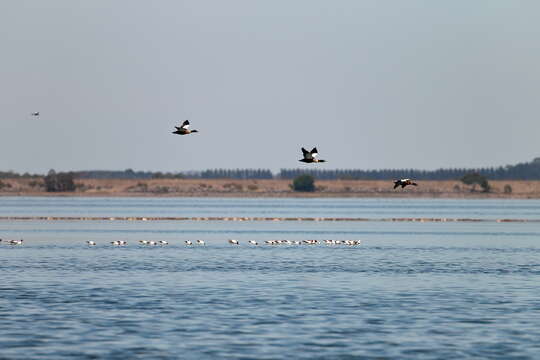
pixel 373 84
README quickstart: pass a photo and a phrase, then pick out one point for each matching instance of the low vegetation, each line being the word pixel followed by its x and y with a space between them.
pixel 304 183
pixel 476 179
pixel 58 182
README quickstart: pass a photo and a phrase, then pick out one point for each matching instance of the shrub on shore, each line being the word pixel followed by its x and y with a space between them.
pixel 55 182
pixel 304 183
pixel 474 179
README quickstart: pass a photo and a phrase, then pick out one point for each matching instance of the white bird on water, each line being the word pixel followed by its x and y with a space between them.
pixel 188 242
pixel 253 242
pixel 234 242
pixel 200 242
pixel 91 243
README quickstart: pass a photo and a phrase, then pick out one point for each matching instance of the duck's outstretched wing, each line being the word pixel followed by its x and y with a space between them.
pixel 185 124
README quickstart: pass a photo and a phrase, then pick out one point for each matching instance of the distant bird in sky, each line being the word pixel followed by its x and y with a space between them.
pixel 311 156
pixel 184 129
pixel 403 183
pixel 35 113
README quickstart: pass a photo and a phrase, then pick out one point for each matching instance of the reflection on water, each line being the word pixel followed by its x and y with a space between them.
pixel 411 290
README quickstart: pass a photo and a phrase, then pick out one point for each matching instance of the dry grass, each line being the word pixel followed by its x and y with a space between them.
pixel 271 188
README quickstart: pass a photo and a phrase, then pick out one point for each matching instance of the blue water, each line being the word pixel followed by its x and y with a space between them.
pixel 410 291
pixel 270 207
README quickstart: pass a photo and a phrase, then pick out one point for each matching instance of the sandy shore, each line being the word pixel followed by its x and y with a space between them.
pixel 270 188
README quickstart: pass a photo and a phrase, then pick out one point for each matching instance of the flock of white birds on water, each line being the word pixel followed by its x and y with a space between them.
pixel 230 241
pixel 236 242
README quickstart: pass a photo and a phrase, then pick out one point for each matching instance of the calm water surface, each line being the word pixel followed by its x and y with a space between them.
pixel 411 291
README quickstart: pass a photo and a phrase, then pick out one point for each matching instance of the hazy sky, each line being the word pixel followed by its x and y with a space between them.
pixel 373 84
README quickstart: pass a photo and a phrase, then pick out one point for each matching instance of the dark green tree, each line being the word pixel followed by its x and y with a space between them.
pixel 476 179
pixel 305 183
pixel 59 181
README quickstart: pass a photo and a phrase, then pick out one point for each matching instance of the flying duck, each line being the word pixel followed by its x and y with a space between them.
pixel 35 113
pixel 311 156
pixel 404 182
pixel 233 242
pixel 184 129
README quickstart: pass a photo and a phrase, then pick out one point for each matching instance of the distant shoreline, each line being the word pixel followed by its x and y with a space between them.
pixel 231 188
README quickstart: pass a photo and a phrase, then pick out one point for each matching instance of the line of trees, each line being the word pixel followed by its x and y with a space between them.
pixel 14 175
pixel 237 174
pixel 521 171
pixel 205 174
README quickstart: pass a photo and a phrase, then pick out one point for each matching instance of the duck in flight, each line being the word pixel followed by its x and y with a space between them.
pixel 35 113
pixel 184 129
pixel 403 183
pixel 311 156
